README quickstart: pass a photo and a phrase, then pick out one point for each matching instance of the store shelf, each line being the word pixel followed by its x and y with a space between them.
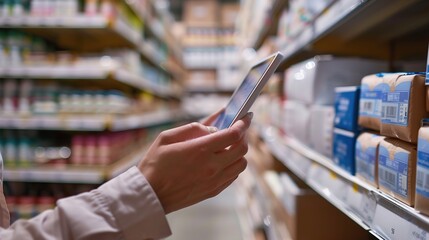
pixel 91 122
pixel 380 214
pixel 72 174
pixel 88 73
pixel 206 90
pixel 94 33
pixel 271 24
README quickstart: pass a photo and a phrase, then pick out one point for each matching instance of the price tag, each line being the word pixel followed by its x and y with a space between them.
pixel 390 225
pixel 417 233
pixel 354 197
pixel 337 186
pixel 367 208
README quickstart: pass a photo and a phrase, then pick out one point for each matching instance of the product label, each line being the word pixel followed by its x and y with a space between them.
pixel 393 174
pixel 346 110
pixel 395 105
pixel 344 155
pixel 370 102
pixel 422 180
pixel 427 72
pixel 365 162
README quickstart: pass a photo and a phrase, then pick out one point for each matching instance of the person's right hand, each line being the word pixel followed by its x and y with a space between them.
pixel 188 164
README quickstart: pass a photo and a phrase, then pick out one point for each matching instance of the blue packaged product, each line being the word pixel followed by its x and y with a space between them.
pixel 346 107
pixel 422 180
pixel 397 169
pixel 366 158
pixel 403 106
pixel 344 149
pixel 370 102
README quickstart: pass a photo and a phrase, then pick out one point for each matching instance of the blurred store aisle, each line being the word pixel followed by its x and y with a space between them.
pixel 213 219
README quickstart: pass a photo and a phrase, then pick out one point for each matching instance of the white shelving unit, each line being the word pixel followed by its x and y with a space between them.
pixel 72 122
pixel 93 25
pixel 73 174
pixel 376 212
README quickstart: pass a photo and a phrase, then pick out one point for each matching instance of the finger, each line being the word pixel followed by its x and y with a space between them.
pixel 236 151
pixel 185 132
pixel 220 140
pixel 209 120
pixel 220 188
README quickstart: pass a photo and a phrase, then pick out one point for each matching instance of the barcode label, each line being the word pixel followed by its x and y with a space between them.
pixel 422 181
pixel 389 112
pixel 388 177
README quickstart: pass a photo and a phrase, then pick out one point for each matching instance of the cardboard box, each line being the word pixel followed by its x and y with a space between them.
pixel 228 14
pixel 201 79
pixel 370 102
pixel 344 144
pixel 366 157
pixel 346 108
pixel 397 169
pixel 427 84
pixel 201 12
pixel 402 107
pixel 305 213
pixel 313 81
pixel 296 116
pixel 422 180
pixel 321 129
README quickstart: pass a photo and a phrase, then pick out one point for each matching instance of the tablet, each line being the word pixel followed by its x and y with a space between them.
pixel 247 92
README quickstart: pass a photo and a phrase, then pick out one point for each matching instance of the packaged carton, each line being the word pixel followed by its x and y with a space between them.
pixel 344 149
pixel 346 108
pixel 367 145
pixel 296 116
pixel 397 169
pixel 422 180
pixel 402 107
pixel 427 84
pixel 321 129
pixel 313 81
pixel 370 102
pixel 201 13
pixel 229 14
pixel 305 213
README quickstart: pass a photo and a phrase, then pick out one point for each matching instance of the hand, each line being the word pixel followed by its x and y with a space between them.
pixel 189 164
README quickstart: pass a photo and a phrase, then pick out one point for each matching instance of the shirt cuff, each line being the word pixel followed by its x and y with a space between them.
pixel 135 206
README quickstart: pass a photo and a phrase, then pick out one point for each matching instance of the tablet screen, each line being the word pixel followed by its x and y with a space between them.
pixel 242 94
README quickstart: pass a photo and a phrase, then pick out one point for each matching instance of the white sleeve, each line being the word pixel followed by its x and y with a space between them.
pixel 126 207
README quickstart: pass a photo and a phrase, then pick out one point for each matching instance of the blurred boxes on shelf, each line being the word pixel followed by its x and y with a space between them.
pixel 422 180
pixel 304 212
pixel 296 116
pixel 397 169
pixel 370 102
pixel 201 79
pixel 321 129
pixel 403 105
pixel 427 84
pixel 346 108
pixel 313 81
pixel 228 14
pixel 344 144
pixel 367 145
pixel 201 13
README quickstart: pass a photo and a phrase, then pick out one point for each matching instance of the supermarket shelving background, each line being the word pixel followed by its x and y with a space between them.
pixel 76 76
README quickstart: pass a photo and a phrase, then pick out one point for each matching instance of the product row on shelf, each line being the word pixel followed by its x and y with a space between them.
pixel 99 32
pixel 361 124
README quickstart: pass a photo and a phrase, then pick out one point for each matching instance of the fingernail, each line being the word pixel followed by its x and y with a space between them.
pixel 212 129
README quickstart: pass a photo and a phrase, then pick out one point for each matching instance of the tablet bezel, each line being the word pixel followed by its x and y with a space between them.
pixel 251 97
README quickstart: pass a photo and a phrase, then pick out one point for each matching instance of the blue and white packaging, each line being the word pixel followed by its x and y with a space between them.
pixel 422 180
pixel 344 149
pixel 346 107
pixel 396 169
pixel 427 84
pixel 403 105
pixel 370 102
pixel 367 145
pixel 313 81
